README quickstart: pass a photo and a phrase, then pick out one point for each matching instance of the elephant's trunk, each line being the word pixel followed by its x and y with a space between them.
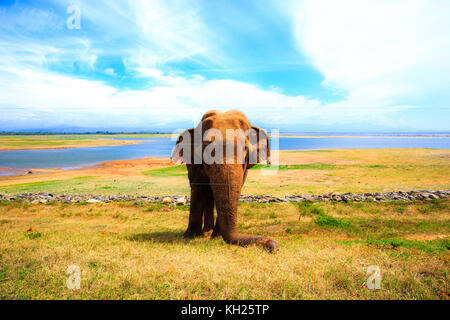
pixel 226 188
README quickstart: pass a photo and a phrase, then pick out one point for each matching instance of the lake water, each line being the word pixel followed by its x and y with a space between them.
pixel 162 147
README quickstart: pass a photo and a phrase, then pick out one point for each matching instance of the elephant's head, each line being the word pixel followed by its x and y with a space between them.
pixel 225 145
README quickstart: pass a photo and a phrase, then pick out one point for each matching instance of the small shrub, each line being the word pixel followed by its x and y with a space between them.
pixel 33 235
pixel 325 220
pixel 307 209
pixel 154 207
pixel 424 209
pixel 272 215
pixel 120 216
pixel 3 274
pixel 317 211
pixel 94 264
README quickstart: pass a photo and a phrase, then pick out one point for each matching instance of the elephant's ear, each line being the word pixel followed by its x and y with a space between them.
pixel 183 150
pixel 259 147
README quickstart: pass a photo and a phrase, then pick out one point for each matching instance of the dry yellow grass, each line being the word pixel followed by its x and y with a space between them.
pixel 129 251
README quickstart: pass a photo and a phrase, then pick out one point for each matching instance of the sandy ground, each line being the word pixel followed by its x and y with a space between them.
pixel 305 158
pixel 110 169
pixel 130 168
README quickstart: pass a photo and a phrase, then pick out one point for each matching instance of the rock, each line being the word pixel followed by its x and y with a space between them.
pixel 44 197
pixel 167 200
pixel 93 201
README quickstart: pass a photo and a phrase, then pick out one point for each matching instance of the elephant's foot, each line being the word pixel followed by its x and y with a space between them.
pixel 267 243
pixel 207 233
pixel 189 233
pixel 270 245
pixel 207 229
pixel 216 233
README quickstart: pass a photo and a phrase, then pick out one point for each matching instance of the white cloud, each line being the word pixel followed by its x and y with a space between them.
pixel 144 33
pixel 64 100
pixel 150 72
pixel 110 72
pixel 388 56
pixel 382 52
pixel 186 98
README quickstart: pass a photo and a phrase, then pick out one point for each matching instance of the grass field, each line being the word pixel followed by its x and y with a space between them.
pixel 308 171
pixel 135 251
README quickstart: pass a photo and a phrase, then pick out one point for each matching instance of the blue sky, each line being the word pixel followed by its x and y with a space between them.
pixel 350 65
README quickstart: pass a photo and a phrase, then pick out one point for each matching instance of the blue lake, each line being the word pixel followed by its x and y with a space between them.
pixel 162 147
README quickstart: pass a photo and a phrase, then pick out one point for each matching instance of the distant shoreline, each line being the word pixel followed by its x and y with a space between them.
pixel 98 143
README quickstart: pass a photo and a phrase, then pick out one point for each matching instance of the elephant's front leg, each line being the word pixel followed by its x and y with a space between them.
pixel 216 231
pixel 208 210
pixel 195 213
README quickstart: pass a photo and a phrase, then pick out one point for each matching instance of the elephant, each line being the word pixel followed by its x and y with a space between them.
pixel 220 182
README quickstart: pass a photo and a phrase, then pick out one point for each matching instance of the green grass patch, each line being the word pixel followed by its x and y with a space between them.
pixel 308 209
pixel 429 246
pixel 154 207
pixel 321 217
pixel 312 166
pixel 3 274
pixel 175 171
pixel 33 235
pixel 325 220
pixel 48 186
